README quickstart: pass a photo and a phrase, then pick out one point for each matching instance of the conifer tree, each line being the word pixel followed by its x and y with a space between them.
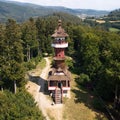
pixel 2 47
pixel 29 37
pixel 41 28
pixel 12 69
pixel 45 28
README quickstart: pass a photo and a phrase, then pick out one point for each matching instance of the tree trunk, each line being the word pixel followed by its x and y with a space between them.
pixel 38 51
pixel 2 88
pixel 116 97
pixel 28 53
pixel 31 53
pixel 15 87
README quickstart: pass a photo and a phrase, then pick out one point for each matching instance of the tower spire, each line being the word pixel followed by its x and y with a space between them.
pixel 59 32
pixel 59 23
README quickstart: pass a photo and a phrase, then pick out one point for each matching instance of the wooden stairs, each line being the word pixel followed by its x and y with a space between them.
pixel 58 96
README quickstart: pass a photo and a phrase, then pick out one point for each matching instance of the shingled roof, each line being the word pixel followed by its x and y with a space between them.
pixel 66 76
pixel 59 32
pixel 58 77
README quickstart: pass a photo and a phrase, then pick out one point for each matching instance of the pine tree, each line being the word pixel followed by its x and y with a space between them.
pixel 2 47
pixel 45 28
pixel 12 69
pixel 29 37
pixel 41 28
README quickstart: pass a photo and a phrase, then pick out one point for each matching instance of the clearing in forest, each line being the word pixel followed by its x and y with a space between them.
pixel 77 107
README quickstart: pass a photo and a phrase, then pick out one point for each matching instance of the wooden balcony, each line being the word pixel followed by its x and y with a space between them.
pixel 58 58
pixel 59 45
pixel 64 85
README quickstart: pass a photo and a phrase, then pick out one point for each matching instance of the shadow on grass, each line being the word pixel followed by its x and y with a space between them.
pixel 88 98
pixel 83 96
pixel 41 82
pixel 100 117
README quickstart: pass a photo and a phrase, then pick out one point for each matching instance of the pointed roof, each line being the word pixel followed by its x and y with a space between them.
pixel 59 32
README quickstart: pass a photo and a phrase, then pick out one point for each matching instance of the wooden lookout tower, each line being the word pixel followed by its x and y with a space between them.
pixel 59 77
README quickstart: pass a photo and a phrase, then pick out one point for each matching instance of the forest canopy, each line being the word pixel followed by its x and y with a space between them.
pixel 95 53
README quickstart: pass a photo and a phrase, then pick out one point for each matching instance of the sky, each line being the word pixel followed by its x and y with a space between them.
pixel 82 4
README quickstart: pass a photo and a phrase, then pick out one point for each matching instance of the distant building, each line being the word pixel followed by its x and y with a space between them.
pixel 59 77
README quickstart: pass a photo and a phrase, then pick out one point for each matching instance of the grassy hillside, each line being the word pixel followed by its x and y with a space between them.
pixel 110 22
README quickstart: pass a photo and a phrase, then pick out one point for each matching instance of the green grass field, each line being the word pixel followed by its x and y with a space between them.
pixel 79 106
pixel 114 29
pixel 36 71
pixel 41 64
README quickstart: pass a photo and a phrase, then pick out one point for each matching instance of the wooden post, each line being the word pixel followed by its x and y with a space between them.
pixel 66 83
pixel 62 95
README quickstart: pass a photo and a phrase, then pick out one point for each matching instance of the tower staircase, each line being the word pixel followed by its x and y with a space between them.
pixel 58 96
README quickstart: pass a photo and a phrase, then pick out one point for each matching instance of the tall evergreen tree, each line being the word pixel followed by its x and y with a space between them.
pixel 12 69
pixel 41 28
pixel 29 37
pixel 2 48
pixel 45 27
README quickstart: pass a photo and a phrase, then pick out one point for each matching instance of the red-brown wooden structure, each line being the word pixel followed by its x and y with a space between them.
pixel 59 77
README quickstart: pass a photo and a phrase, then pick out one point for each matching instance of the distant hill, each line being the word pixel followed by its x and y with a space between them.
pixel 23 11
pixel 87 12
pixel 110 22
pixel 114 15
pixel 67 18
pixel 113 20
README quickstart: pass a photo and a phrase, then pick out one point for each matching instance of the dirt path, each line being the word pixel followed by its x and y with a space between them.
pixel 53 112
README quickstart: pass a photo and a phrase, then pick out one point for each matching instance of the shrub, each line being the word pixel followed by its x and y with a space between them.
pixel 20 106
pixel 83 79
pixel 32 63
pixel 69 63
pixel 98 105
pixel 29 65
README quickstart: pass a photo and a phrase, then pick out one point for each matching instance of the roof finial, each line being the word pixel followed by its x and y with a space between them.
pixel 59 22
